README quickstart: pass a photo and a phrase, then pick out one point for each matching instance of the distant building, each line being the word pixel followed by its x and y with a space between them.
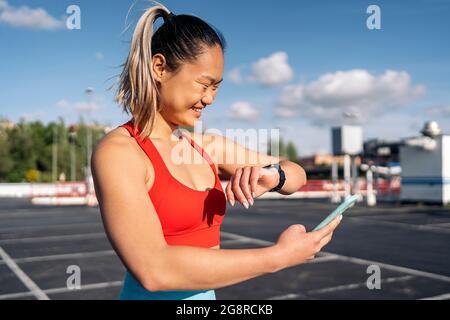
pixel 381 152
pixel 324 160
pixel 6 124
pixel 100 127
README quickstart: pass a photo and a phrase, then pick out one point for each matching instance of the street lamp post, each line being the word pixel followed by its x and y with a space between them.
pixel 89 92
pixel 72 139
pixel 55 154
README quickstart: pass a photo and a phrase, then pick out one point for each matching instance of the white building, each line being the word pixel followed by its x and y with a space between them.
pixel 425 163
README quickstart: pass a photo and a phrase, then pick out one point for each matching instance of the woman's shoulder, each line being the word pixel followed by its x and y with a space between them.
pixel 119 145
pixel 115 140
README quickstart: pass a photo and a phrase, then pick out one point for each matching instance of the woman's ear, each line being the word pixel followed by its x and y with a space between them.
pixel 158 67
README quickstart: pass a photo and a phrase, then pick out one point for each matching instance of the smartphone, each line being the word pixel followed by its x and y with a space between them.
pixel 350 202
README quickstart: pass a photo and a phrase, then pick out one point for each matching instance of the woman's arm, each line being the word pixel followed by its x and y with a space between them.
pixel 243 166
pixel 135 232
pixel 295 177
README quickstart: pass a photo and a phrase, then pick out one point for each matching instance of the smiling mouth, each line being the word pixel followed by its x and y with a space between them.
pixel 198 110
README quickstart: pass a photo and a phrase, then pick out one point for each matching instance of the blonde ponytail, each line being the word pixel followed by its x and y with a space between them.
pixel 137 92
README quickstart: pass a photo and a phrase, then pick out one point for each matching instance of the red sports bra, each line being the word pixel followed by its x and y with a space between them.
pixel 188 217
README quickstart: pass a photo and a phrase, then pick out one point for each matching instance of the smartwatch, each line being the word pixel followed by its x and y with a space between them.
pixel 281 174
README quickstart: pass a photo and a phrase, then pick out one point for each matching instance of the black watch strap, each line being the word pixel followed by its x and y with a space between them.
pixel 281 174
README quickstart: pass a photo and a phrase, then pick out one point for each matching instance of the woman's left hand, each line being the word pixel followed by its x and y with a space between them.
pixel 248 183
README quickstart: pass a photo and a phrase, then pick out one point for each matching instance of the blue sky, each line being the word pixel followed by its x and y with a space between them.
pixel 296 65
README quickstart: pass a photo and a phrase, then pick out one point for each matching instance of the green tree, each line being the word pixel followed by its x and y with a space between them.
pixel 6 161
pixel 26 150
pixel 279 148
pixel 291 152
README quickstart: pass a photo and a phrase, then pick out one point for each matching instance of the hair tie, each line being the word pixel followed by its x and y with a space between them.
pixel 169 17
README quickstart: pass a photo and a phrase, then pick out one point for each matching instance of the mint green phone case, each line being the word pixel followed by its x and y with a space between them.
pixel 350 202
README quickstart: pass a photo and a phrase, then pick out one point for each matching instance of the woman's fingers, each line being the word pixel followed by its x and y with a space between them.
pixel 245 184
pixel 235 187
pixel 254 177
pixel 324 241
pixel 329 228
pixel 229 192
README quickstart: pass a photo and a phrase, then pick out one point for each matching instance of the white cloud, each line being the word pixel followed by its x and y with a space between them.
pixel 32 116
pixel 235 75
pixel 309 139
pixel 242 110
pixel 353 96
pixel 86 106
pixel 284 112
pixel 394 126
pixel 63 104
pixel 438 111
pixel 273 70
pixel 99 56
pixel 80 106
pixel 27 17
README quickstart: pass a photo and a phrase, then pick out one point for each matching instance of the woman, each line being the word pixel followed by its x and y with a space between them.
pixel 163 218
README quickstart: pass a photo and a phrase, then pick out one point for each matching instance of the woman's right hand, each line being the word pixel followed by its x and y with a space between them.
pixel 297 246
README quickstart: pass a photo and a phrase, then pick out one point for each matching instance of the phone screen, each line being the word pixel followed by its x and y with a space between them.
pixel 350 202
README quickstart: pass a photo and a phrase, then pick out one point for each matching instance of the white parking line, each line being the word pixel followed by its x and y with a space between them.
pixel 358 285
pixel 55 238
pixel 284 296
pixel 46 227
pixel 440 225
pixel 413 272
pixel 440 297
pixel 325 258
pixel 86 287
pixel 337 288
pixel 35 290
pixel 64 256
pixel 36 214
pixel 403 225
pixel 231 242
pixel 93 286
pixel 246 239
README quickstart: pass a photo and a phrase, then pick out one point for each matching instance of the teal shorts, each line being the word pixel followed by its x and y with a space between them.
pixel 133 290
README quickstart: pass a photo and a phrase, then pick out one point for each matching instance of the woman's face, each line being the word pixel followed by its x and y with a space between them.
pixel 194 86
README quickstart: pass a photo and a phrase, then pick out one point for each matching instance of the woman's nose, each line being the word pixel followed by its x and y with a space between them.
pixel 207 99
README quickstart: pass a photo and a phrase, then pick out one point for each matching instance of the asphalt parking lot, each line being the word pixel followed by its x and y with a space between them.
pixel 409 244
